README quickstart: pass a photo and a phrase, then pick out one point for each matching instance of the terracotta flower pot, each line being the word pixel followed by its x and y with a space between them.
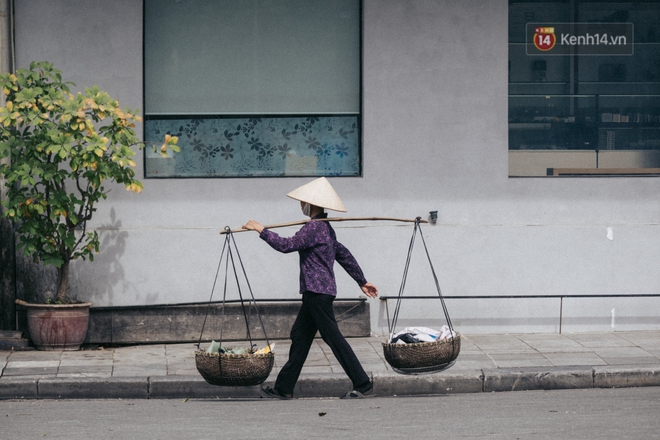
pixel 58 327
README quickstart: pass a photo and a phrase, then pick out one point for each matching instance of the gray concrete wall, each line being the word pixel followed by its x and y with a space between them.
pixel 435 138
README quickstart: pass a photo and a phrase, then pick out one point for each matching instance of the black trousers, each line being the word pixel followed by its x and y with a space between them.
pixel 316 313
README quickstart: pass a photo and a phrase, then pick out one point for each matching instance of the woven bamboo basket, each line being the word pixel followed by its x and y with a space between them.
pixel 234 369
pixel 422 357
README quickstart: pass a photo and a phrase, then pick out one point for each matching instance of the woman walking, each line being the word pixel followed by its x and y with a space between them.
pixel 318 248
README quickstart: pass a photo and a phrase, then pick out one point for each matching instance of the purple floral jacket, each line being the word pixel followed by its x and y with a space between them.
pixel 318 247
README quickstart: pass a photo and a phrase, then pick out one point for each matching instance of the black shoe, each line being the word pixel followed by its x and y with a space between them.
pixel 354 394
pixel 274 394
pixel 361 393
pixel 364 389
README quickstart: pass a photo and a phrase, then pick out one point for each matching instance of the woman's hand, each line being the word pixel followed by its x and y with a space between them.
pixel 370 290
pixel 253 226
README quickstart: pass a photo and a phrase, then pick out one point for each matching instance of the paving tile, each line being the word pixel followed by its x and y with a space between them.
pixel 137 372
pixel 32 364
pixel 520 360
pixel 599 340
pixel 25 377
pixel 312 369
pixel 183 372
pixel 647 339
pixel 36 355
pixel 498 343
pixel 374 368
pixel 142 366
pixel 30 371
pixel 84 369
pixel 647 360
pixel 549 343
pixel 87 354
pixel 139 361
pixel 85 363
pixel 181 363
pixel 475 361
pixel 631 352
pixel 471 365
pixel 576 358
pixel 175 356
pixel 98 374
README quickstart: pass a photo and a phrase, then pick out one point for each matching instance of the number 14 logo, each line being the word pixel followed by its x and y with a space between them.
pixel 544 38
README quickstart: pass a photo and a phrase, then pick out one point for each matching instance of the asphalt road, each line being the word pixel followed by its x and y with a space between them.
pixel 625 413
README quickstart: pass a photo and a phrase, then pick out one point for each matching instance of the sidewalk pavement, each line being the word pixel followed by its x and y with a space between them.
pixel 487 362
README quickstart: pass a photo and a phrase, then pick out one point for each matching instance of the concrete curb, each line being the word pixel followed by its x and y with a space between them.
pixel 18 388
pixel 623 377
pixel 409 385
pixel 335 384
pixel 321 385
pixel 195 387
pixel 94 388
pixel 537 378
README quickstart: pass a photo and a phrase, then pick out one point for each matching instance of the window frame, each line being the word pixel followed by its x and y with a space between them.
pixel 359 116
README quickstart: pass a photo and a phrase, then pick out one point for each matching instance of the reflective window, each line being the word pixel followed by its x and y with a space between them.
pixel 584 88
pixel 253 88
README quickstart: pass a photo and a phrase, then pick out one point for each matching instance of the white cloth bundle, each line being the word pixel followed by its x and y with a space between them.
pixel 424 334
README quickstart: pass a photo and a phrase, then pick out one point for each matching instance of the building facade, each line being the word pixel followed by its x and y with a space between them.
pixel 433 119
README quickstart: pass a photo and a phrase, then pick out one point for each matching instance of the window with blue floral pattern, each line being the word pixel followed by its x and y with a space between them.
pixel 253 88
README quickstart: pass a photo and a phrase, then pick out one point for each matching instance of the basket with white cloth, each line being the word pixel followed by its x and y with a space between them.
pixel 420 350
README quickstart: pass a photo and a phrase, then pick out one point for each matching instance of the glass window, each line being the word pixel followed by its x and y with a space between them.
pixel 253 88
pixel 584 88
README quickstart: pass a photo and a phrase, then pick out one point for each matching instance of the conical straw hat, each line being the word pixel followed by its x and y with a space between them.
pixel 318 192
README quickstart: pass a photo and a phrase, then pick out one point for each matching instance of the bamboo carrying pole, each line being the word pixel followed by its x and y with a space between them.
pixel 332 219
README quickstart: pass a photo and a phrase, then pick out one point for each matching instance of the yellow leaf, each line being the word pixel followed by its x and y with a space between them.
pixel 10 105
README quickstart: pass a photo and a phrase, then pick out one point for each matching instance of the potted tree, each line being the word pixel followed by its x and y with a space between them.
pixel 63 149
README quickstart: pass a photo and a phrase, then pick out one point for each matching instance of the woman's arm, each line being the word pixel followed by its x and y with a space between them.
pixel 303 239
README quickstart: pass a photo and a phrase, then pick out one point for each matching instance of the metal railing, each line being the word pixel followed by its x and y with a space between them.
pixel 560 297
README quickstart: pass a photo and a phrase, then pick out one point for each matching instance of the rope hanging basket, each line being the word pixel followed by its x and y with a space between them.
pixel 421 357
pixel 229 369
pixel 234 369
